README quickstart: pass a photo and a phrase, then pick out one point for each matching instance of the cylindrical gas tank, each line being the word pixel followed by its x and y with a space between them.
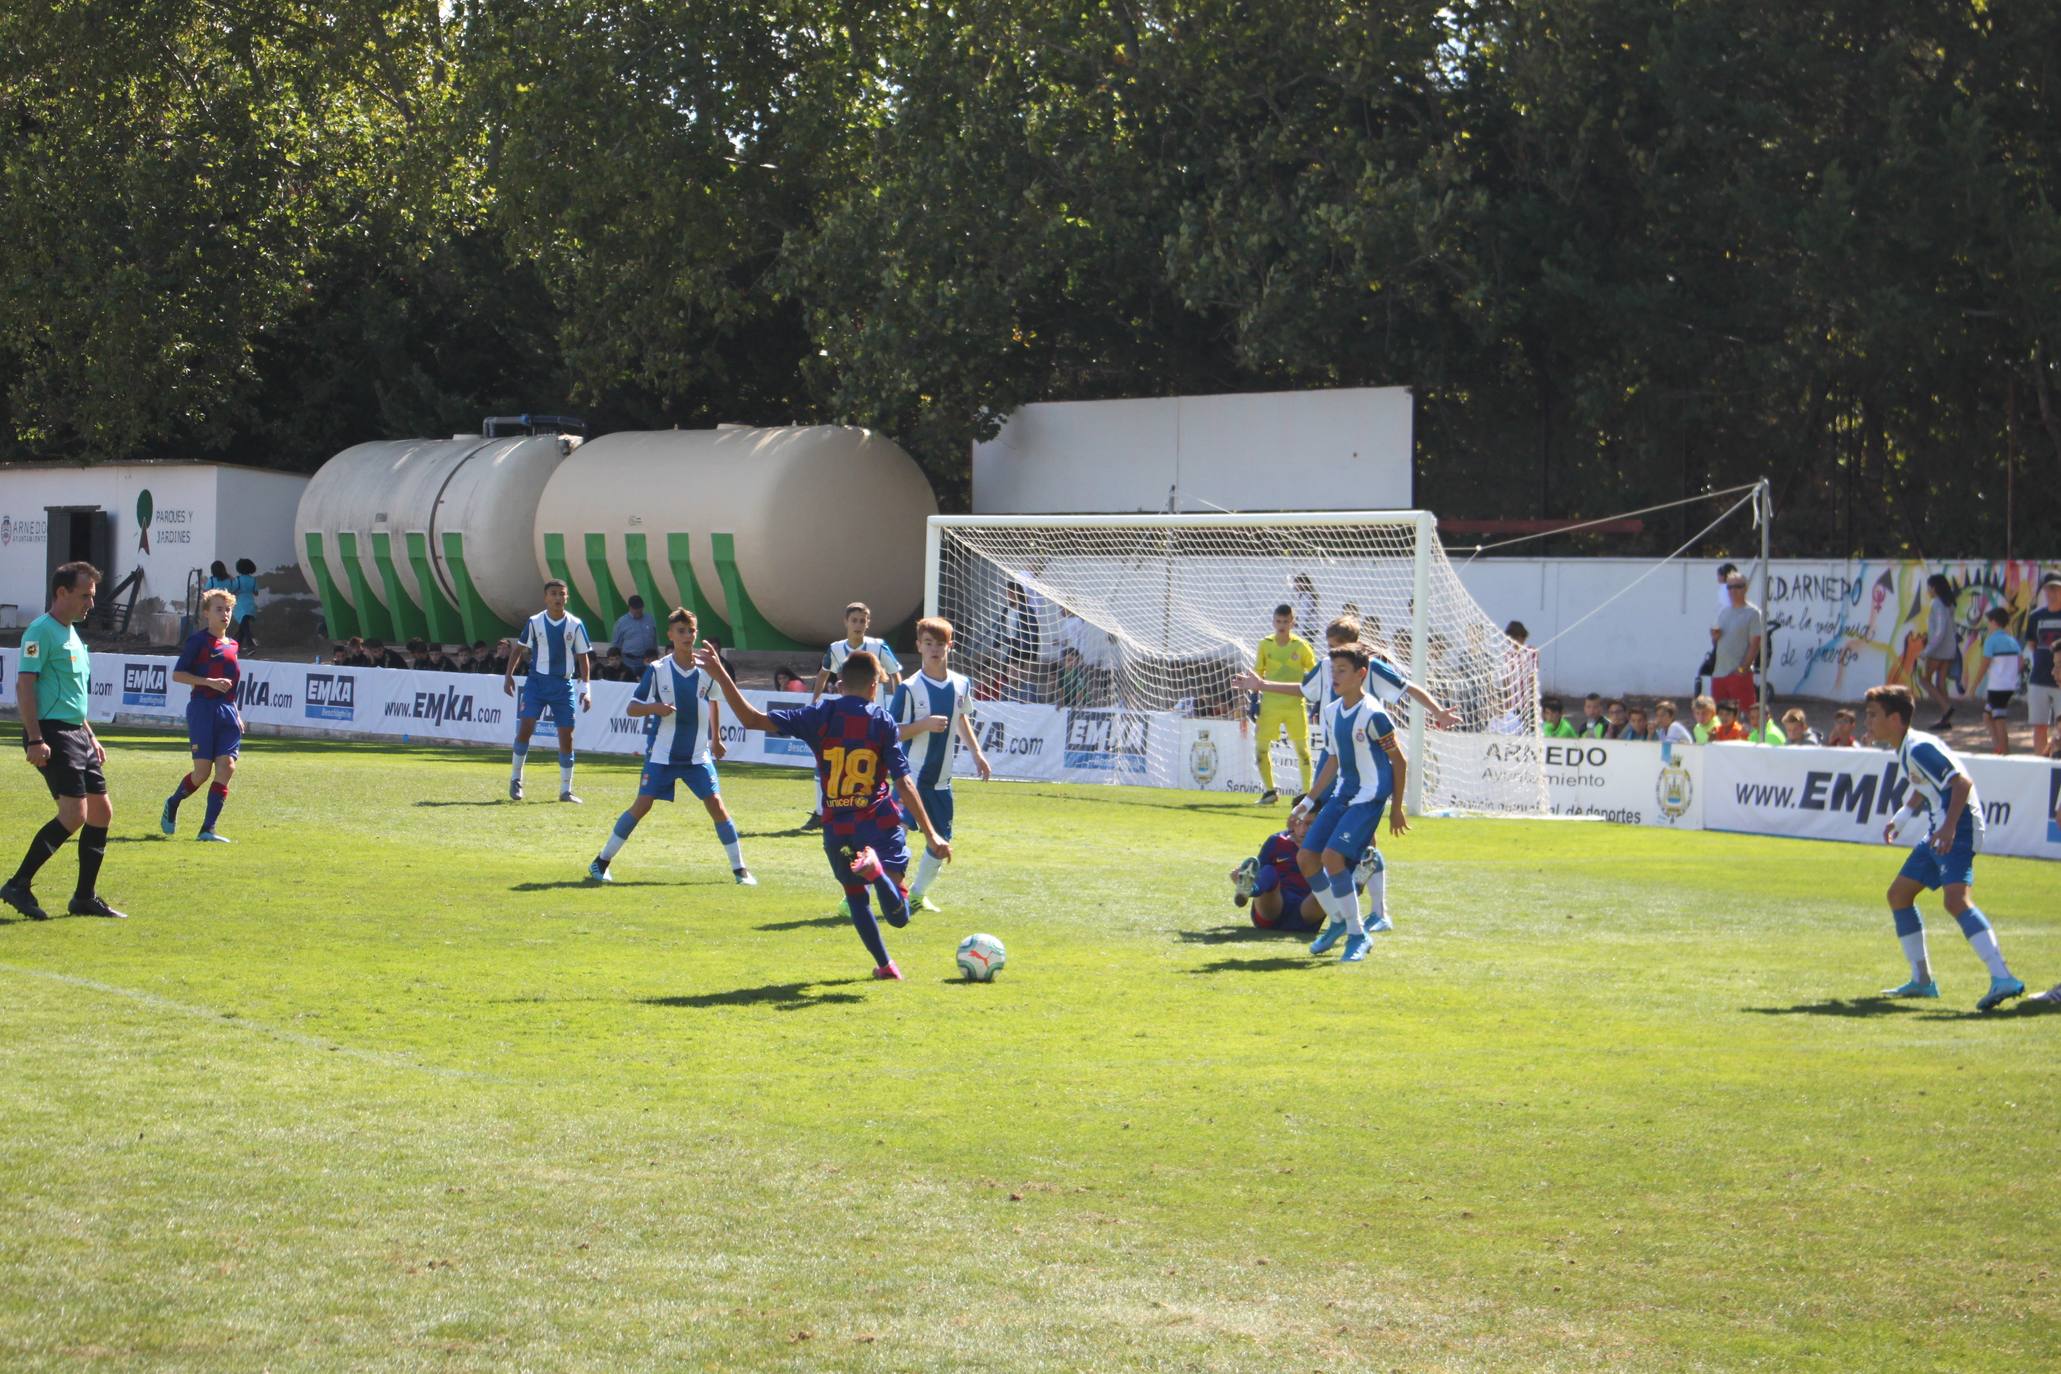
pixel 375 525
pixel 771 530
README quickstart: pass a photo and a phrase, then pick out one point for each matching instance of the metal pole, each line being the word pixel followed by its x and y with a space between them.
pixel 933 546
pixel 1420 654
pixel 1764 508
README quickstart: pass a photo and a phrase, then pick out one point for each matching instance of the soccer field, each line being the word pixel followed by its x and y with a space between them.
pixel 386 1085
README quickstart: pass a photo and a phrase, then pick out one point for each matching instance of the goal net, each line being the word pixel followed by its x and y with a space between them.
pixel 1103 647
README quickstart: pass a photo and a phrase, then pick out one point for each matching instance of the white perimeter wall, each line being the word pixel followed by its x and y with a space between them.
pixel 1346 449
pixel 200 512
pixel 1841 626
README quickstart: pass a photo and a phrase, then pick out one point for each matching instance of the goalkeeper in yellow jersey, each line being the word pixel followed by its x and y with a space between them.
pixel 1284 656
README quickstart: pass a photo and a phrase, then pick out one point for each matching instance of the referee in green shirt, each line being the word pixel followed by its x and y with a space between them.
pixel 51 687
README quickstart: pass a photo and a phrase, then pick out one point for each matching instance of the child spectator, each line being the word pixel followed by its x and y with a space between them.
pixel 2043 637
pixel 2000 676
pixel 1619 718
pixel 1728 729
pixel 1666 727
pixel 1842 730
pixel 245 585
pixel 1705 708
pixel 1758 733
pixel 1556 725
pixel 1636 727
pixel 785 679
pixel 1594 726
pixel 1796 727
pixel 1073 679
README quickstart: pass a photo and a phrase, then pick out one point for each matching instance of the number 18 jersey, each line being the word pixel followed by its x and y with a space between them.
pixel 858 757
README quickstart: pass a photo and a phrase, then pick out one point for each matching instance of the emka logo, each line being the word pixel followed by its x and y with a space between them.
pixel 330 696
pixel 996 739
pixel 143 684
pixel 1107 741
pixel 255 692
pixel 448 707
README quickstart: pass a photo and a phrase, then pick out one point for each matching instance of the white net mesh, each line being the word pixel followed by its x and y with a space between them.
pixel 1134 628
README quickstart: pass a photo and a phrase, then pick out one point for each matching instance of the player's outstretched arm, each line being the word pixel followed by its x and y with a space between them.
pixel 1398 823
pixel 1246 680
pixel 1445 717
pixel 912 802
pixel 748 715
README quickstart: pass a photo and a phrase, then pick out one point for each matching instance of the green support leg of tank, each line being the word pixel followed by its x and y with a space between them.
pixel 337 614
pixel 372 614
pixel 555 560
pixel 711 625
pixel 480 622
pixel 608 600
pixel 444 625
pixel 407 615
pixel 752 630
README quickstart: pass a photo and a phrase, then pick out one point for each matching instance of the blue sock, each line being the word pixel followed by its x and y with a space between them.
pixel 892 904
pixel 1267 881
pixel 185 790
pixel 726 832
pixel 1983 941
pixel 217 794
pixel 1910 933
pixel 1973 922
pixel 869 929
pixel 624 824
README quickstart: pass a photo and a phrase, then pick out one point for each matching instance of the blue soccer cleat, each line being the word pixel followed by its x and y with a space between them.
pixel 1914 988
pixel 597 872
pixel 1356 947
pixel 2001 990
pixel 168 820
pixel 210 837
pixel 1330 935
pixel 1379 924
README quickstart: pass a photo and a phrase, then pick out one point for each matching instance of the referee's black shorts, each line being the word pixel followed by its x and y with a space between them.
pixel 74 767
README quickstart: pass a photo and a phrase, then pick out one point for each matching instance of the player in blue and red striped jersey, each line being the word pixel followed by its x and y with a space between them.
pixel 1274 883
pixel 861 766
pixel 214 728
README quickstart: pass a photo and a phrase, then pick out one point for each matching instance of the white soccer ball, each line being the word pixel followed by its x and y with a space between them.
pixel 1912 828
pixel 981 957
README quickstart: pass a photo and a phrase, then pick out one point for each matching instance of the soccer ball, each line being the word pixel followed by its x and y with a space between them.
pixel 981 957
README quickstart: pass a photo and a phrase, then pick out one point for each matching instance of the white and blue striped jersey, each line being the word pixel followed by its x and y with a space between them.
pixel 1385 682
pixel 682 737
pixel 841 649
pixel 554 645
pixel 1356 735
pixel 1930 768
pixel 931 757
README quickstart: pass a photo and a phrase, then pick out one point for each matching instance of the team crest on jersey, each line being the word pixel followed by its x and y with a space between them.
pixel 32 649
pixel 1202 760
pixel 1674 789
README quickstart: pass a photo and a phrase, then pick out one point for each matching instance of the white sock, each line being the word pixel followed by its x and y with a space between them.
pixel 565 777
pixel 926 874
pixel 1984 943
pixel 735 851
pixel 1377 892
pixel 1320 888
pixel 1349 904
pixel 1914 951
pixel 515 774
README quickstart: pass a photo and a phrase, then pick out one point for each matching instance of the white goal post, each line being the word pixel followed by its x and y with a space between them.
pixel 1124 630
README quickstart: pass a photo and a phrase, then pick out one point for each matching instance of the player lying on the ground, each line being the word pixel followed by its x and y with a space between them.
pixel 860 764
pixel 1368 765
pixel 214 727
pixel 1275 886
pixel 933 711
pixel 1941 788
pixel 682 743
pixel 556 645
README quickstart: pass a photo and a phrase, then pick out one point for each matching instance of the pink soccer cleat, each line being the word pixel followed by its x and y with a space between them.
pixel 866 865
pixel 888 973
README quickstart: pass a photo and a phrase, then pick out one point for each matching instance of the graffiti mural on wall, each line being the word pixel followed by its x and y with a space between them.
pixel 1841 628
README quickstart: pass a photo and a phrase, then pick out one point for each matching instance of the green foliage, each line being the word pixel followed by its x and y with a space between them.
pixel 1624 250
pixel 386 1086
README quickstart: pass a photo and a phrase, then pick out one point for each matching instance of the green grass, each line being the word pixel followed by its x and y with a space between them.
pixel 385 1086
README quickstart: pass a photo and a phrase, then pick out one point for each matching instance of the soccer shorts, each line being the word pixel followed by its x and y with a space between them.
pixel 938 802
pixel 74 768
pixel 212 730
pixel 889 842
pixel 1277 713
pixel 540 692
pixel 2000 703
pixel 1926 865
pixel 659 779
pixel 1345 827
pixel 1291 917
